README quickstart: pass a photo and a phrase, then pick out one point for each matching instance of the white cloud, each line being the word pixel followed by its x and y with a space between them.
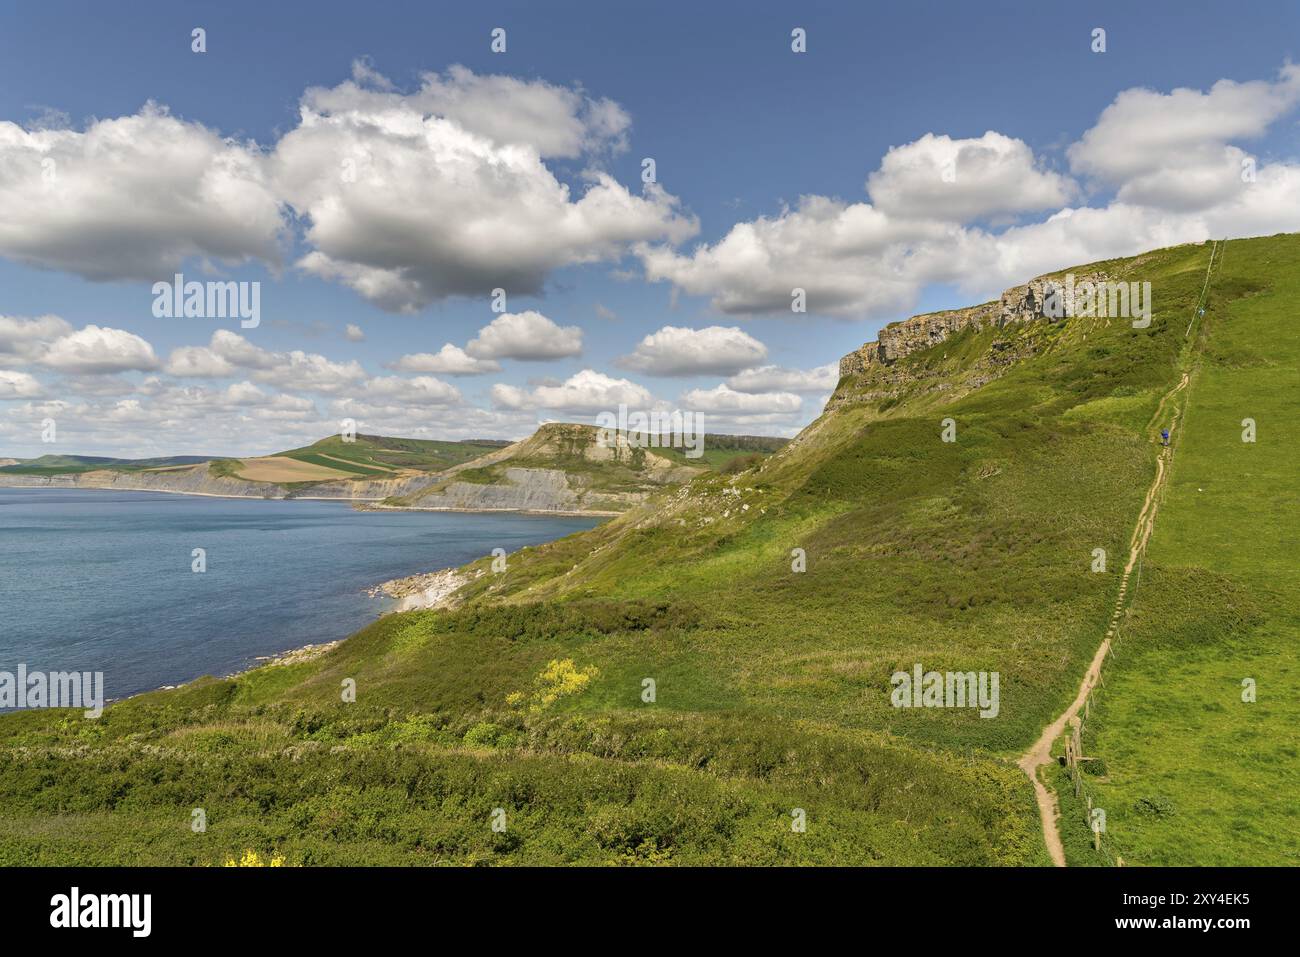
pixel 529 336
pixel 197 362
pixel 18 385
pixel 727 401
pixel 675 351
pixel 937 177
pixel 419 390
pixel 414 198
pixel 506 396
pixel 132 197
pixel 95 349
pixel 449 360
pixel 586 392
pixel 553 120
pixel 1144 131
pixel 311 372
pixel 850 259
pixel 296 370
pixel 407 198
pixel 23 340
pixel 237 350
pixel 354 333
pixel 776 379
pixel 1175 181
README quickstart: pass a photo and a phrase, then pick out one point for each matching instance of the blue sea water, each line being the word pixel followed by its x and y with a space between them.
pixel 102 580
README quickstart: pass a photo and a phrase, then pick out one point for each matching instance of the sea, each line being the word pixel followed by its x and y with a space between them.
pixel 104 581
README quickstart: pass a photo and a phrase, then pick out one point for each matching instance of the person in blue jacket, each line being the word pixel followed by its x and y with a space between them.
pixel 1164 436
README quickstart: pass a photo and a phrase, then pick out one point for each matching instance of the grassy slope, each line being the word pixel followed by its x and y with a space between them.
pixel 1194 775
pixel 562 446
pixel 374 455
pixel 772 687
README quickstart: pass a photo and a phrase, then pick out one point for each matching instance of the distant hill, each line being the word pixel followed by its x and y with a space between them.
pixel 384 453
pixel 65 464
pixel 560 467
pixel 536 474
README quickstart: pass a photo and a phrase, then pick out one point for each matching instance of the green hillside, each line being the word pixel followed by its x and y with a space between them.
pixel 376 455
pixel 530 701
pixel 1191 774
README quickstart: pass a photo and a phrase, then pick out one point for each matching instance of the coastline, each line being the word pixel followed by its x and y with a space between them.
pixel 361 504
pixel 558 513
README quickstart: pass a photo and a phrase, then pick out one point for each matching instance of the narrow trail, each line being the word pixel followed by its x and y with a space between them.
pixel 1040 753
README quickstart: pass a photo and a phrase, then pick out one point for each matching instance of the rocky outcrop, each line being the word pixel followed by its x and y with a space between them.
pixel 427 590
pixel 1027 303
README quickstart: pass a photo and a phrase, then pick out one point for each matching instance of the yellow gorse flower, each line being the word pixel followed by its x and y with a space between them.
pixel 251 858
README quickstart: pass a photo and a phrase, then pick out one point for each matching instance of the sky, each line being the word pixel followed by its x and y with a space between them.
pixel 648 186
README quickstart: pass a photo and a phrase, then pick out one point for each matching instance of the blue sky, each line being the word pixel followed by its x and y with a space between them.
pixel 740 128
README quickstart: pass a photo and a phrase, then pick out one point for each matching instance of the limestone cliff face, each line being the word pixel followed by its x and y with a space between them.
pixel 562 467
pixel 529 490
pixel 1018 304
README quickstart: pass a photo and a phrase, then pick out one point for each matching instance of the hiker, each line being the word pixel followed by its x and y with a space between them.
pixel 1164 436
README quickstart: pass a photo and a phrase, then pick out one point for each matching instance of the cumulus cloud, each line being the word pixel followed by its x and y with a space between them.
pixel 228 351
pixel 133 197
pixel 675 351
pixel 419 390
pixel 354 333
pixel 586 392
pixel 23 340
pixel 18 385
pixel 529 336
pixel 1172 150
pixel 724 400
pixel 408 198
pixel 436 196
pixel 849 259
pixel 1143 130
pixel 96 349
pixel 311 372
pixel 1174 179
pixel 553 120
pixel 198 362
pixel 777 379
pixel 449 360
pixel 937 177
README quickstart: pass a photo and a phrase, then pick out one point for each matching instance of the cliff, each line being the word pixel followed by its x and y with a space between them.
pixel 560 468
pixel 1019 304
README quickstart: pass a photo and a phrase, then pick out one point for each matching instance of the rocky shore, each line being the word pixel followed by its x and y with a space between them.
pixel 426 590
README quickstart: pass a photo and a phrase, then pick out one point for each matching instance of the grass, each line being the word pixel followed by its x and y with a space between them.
pixel 377 455
pixel 771 685
pixel 1196 775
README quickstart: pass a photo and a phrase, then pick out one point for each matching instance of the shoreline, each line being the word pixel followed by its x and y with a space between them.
pixel 558 513
pixel 361 504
